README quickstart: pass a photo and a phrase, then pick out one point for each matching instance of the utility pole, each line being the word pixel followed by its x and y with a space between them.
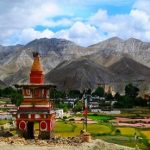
pixel 85 112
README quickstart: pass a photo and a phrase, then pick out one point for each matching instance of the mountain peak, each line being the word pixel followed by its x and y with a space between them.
pixel 133 40
pixel 115 38
pixel 51 41
pixel 46 46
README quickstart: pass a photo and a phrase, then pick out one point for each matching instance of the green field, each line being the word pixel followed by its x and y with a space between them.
pixel 100 118
pixel 106 132
pixel 2 122
pixel 103 129
pixel 127 131
pixel 72 129
pixel 146 133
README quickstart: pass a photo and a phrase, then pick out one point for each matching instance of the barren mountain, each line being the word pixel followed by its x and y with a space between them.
pixel 15 61
pixel 109 51
pixel 128 69
pixel 79 74
pixel 53 52
pixel 21 76
pixel 2 84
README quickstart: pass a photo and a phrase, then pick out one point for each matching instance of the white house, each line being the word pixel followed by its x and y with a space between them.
pixel 59 113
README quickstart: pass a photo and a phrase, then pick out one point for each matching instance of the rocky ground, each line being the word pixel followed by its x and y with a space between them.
pixel 70 143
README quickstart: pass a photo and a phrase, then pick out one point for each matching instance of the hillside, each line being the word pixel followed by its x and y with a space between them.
pixel 79 74
pixel 109 51
pixel 15 61
pixel 2 84
pixel 53 51
pixel 128 69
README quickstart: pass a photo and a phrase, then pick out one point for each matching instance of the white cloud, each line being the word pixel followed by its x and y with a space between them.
pixel 135 24
pixel 99 17
pixel 30 34
pixel 143 5
pixel 18 19
pixel 18 16
pixel 27 35
pixel 81 33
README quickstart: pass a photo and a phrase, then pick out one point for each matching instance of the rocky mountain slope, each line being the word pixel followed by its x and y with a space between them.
pixel 15 61
pixel 79 74
pixel 128 69
pixel 53 51
pixel 109 51
pixel 83 73
pixel 2 84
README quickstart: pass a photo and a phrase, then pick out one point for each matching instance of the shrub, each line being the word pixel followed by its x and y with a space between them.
pixel 117 131
pixel 64 117
pixel 71 119
pixel 95 114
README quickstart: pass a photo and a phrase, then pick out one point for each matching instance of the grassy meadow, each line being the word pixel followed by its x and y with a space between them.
pixel 103 129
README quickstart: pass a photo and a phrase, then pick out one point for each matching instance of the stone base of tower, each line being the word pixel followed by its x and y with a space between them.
pixel 44 135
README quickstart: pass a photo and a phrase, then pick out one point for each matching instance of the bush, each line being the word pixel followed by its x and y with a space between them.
pixel 95 114
pixel 64 117
pixel 118 132
pixel 71 119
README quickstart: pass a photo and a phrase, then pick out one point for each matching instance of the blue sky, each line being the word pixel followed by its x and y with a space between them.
pixel 85 22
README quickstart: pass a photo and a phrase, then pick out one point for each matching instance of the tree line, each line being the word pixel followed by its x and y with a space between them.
pixel 14 95
pixel 128 100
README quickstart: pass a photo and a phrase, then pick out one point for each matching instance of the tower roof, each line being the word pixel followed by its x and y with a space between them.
pixel 36 75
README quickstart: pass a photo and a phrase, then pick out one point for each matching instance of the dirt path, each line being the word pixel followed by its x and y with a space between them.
pixel 93 145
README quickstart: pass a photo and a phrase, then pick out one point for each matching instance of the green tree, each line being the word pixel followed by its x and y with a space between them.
pixel 131 91
pixel 109 97
pixel 7 92
pixel 99 92
pixel 57 94
pixel 16 98
pixel 117 96
pixel 1 91
pixel 124 102
pixel 65 109
pixel 78 106
pixel 139 101
pixel 74 94
pixel 89 91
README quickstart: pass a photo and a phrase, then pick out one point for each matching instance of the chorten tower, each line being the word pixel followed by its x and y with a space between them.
pixel 36 107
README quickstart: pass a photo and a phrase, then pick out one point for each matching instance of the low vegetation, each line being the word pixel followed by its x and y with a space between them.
pixel 99 118
pixel 120 135
pixel 2 122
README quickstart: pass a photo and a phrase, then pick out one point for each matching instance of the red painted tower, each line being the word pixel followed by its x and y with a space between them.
pixel 36 106
pixel 36 75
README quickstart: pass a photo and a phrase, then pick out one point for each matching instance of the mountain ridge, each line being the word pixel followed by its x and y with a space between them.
pixel 56 53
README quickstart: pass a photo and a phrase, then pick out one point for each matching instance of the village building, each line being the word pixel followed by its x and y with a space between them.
pixel 59 113
pixel 7 111
pixel 36 105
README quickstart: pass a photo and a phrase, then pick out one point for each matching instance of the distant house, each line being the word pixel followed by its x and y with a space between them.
pixel 96 110
pixel 59 113
pixel 6 116
pixel 99 104
pixel 7 111
pixel 70 101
